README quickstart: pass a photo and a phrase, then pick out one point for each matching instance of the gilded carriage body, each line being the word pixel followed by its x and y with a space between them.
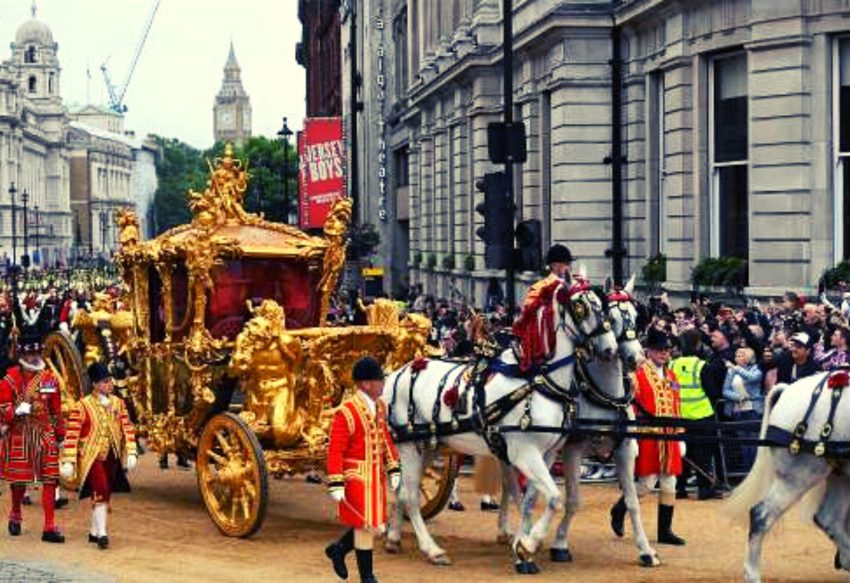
pixel 228 358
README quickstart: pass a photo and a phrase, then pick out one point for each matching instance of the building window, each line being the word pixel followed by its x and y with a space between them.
pixel 401 165
pixel 728 120
pixel 841 140
pixel 657 165
pixel 400 48
pixel 415 35
pixel 50 78
pixel 546 168
pixel 29 55
pixel 31 85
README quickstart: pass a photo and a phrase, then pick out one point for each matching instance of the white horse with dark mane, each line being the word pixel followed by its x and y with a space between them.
pixel 808 426
pixel 598 405
pixel 508 411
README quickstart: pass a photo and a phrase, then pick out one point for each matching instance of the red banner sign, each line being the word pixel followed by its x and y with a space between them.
pixel 321 153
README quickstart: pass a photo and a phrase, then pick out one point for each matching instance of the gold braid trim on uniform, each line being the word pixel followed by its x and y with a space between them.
pixel 665 406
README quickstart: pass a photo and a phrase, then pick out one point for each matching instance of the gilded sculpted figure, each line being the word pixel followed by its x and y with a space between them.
pixel 128 229
pixel 412 341
pixel 335 228
pixel 266 357
pixel 89 323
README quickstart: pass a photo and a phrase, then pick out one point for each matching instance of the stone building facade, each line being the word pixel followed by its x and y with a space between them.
pixel 319 53
pixel 110 170
pixel 232 108
pixel 32 151
pixel 734 141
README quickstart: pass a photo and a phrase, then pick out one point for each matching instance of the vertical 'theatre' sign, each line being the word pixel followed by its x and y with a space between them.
pixel 321 154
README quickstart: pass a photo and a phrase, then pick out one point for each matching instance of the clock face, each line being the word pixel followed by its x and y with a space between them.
pixel 226 119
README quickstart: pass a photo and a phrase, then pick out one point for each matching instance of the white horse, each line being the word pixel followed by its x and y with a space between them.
pixel 597 404
pixel 576 317
pixel 805 416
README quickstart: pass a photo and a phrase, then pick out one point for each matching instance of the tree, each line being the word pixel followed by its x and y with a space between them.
pixel 182 167
pixel 178 170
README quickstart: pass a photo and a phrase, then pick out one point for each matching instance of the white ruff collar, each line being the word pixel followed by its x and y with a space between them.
pixel 38 367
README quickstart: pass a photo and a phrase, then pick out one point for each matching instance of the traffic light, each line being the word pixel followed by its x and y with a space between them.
pixel 498 213
pixel 529 240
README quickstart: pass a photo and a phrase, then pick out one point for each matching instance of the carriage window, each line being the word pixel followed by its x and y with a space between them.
pixel 237 282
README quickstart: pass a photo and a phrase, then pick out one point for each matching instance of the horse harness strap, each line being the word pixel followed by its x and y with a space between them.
pixel 796 442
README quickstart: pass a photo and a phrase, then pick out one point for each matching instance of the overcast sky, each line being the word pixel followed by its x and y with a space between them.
pixel 181 66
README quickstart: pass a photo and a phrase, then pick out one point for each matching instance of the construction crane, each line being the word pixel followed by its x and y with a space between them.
pixel 116 94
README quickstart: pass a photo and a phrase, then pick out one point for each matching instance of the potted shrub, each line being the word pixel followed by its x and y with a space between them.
pixel 837 277
pixel 417 258
pixel 654 272
pixel 728 272
pixel 469 262
pixel 432 261
pixel 449 261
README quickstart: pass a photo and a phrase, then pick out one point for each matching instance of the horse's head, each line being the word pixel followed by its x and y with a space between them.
pixel 623 315
pixel 582 315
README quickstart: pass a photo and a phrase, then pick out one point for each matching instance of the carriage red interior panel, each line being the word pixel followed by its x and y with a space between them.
pixel 289 283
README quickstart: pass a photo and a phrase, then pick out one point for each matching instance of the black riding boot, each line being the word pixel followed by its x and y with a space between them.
pixel 618 516
pixel 337 551
pixel 364 565
pixel 665 524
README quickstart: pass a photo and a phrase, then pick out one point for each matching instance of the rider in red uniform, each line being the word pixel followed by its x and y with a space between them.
pixel 31 426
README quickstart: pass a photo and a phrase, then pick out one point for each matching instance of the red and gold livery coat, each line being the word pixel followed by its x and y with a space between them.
pixel 361 454
pixel 657 396
pixel 29 444
pixel 95 430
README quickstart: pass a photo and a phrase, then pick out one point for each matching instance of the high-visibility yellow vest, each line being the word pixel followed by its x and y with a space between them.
pixel 693 401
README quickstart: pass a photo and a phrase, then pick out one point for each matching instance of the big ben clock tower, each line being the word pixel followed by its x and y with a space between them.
pixel 232 109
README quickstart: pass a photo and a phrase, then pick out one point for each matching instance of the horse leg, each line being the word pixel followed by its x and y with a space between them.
pixel 559 552
pixel 624 458
pixel 831 516
pixel 531 463
pixel 510 491
pixel 413 464
pixel 793 477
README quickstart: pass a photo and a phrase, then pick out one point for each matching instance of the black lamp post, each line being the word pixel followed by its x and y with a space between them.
pixel 25 197
pixel 284 134
pixel 104 216
pixel 12 192
pixel 37 229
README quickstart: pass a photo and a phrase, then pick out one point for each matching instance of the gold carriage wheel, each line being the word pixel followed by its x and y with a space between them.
pixel 438 479
pixel 232 475
pixel 64 359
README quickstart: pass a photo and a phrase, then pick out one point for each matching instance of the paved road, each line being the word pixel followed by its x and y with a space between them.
pixel 38 572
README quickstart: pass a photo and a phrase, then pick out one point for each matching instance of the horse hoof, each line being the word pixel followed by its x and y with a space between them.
pixel 837 562
pixel 560 555
pixel 527 568
pixel 440 560
pixel 392 546
pixel 503 538
pixel 648 560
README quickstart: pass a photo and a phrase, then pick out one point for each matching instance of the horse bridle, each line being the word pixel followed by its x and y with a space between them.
pixel 616 301
pixel 571 307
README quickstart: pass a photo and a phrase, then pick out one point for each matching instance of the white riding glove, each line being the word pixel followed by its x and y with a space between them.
pixel 67 470
pixel 338 494
pixel 395 481
pixel 131 462
pixel 683 449
pixel 23 409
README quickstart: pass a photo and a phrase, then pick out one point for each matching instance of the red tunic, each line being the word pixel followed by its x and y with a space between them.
pixel 659 397
pixel 29 449
pixel 360 455
pixel 100 438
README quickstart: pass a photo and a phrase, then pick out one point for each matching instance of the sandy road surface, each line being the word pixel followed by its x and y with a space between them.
pixel 161 533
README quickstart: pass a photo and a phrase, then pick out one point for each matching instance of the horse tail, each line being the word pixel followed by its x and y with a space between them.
pixel 751 490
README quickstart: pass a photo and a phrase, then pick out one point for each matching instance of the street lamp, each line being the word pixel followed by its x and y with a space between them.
pixel 284 134
pixel 37 229
pixel 25 197
pixel 12 192
pixel 104 216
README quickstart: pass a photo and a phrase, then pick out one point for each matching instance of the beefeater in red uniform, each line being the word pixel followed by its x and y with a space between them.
pixel 361 455
pixel 656 395
pixel 31 426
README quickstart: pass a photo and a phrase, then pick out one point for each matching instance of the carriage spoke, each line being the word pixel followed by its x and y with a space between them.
pixel 223 442
pixel 218 459
pixel 246 507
